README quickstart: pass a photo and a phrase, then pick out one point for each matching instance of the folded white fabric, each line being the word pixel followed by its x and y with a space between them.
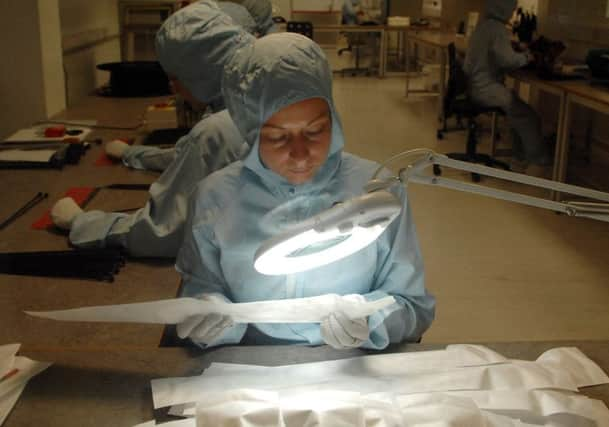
pixel 400 373
pixel 461 386
pixel 15 372
pixel 239 408
pixel 584 372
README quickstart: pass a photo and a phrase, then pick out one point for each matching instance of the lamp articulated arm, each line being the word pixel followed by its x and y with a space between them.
pixel 415 172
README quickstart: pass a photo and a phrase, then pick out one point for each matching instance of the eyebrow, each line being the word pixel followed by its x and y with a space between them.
pixel 322 115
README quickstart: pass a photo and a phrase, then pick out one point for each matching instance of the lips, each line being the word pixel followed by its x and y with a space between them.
pixel 301 171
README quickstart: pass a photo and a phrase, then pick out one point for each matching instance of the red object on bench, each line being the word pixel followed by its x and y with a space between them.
pixel 80 196
pixel 55 131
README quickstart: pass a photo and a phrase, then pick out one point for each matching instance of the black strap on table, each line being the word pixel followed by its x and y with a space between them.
pixel 95 264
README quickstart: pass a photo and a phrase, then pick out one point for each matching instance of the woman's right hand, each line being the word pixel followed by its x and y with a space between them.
pixel 204 328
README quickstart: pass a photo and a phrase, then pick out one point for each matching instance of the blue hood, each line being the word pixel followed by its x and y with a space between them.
pixel 273 72
pixel 239 15
pixel 195 43
pixel 262 12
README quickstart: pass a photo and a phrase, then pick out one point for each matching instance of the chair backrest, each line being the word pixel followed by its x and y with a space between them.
pixel 456 89
pixel 301 27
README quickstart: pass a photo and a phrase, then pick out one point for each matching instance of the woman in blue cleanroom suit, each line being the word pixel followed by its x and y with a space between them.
pixel 157 228
pixel 177 59
pixel 279 92
pixel 255 17
pixel 489 56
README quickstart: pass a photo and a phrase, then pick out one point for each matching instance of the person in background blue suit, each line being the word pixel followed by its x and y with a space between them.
pixel 489 57
pixel 156 230
pixel 279 93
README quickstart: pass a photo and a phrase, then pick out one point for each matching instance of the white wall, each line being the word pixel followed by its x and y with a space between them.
pixel 31 77
pixel 284 7
pixel 52 63
pixel 90 36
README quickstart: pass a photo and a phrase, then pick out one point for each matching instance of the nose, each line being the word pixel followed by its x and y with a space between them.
pixel 299 148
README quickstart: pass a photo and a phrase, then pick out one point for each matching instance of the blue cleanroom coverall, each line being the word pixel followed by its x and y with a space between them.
pixel 157 228
pixel 489 56
pixel 233 211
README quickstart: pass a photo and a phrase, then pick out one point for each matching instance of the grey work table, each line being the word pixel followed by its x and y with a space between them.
pixel 112 388
pixel 139 280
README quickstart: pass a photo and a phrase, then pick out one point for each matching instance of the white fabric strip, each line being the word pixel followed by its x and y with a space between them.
pixel 173 311
pixel 456 355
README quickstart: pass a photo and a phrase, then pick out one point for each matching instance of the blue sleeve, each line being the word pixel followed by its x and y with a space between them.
pixel 504 55
pixel 400 274
pixel 148 158
pixel 198 262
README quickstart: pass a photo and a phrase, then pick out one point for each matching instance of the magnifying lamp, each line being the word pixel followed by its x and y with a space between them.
pixel 354 224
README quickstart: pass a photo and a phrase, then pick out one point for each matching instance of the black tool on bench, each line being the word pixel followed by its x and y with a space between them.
pixel 95 264
pixel 23 209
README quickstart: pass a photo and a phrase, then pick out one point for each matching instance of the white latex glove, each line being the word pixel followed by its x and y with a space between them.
pixel 116 148
pixel 64 211
pixel 204 328
pixel 340 332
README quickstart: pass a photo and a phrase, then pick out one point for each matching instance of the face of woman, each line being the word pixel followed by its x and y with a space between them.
pixel 295 141
pixel 177 87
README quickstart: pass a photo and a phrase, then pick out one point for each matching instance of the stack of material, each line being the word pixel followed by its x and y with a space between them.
pixel 96 264
pixel 463 385
pixel 44 146
pixel 15 372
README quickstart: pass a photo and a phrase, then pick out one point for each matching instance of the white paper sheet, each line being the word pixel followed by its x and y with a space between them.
pixel 36 133
pixel 41 156
pixel 239 408
pixel 455 355
pixel 323 409
pixel 7 357
pixel 8 401
pixel 538 403
pixel 26 369
pixel 173 311
pixel 455 390
pixel 585 373
pixel 256 408
pixel 21 370
pixel 368 374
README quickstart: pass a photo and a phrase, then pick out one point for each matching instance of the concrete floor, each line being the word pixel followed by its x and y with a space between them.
pixel 500 271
